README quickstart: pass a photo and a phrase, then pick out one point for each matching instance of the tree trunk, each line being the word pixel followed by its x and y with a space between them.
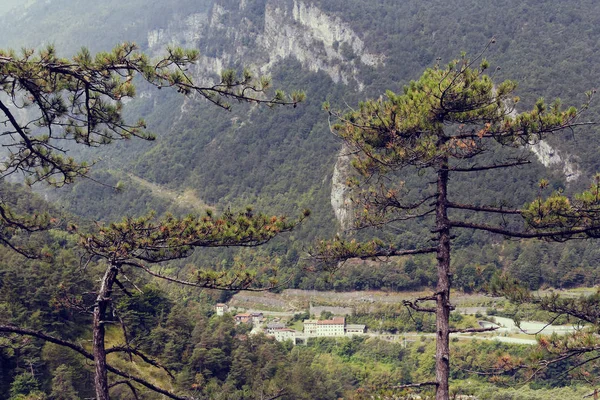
pixel 442 313
pixel 99 350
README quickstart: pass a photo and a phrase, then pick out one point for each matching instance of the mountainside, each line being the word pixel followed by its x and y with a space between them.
pixel 285 159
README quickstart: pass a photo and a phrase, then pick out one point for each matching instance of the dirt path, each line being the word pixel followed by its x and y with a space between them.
pixel 187 199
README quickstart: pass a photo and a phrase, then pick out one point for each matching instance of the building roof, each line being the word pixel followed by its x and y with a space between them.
pixel 334 321
pixel 221 305
pixel 310 321
pixel 355 327
pixel 275 325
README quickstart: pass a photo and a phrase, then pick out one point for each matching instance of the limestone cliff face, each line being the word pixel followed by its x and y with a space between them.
pixel 342 206
pixel 320 42
pixel 317 40
pixel 550 158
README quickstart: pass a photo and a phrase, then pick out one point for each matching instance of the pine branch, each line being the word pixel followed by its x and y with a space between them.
pixel 34 224
pixel 235 284
pixel 585 309
pixel 83 98
pixel 368 255
pixel 170 238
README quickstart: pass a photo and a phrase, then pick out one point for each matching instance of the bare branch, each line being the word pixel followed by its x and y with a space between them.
pixel 494 371
pixel 123 288
pixel 48 338
pixel 131 387
pixel 19 250
pixel 542 329
pixel 475 168
pixel 471 207
pixel 129 350
pixel 522 234
pixel 280 393
pixel 414 305
pixel 579 364
pixel 473 330
pixel 415 385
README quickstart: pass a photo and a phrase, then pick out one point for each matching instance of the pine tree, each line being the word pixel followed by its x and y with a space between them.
pixel 62 384
pixel 453 120
pixel 49 101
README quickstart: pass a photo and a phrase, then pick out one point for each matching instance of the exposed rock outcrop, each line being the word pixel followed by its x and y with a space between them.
pixel 340 201
pixel 550 158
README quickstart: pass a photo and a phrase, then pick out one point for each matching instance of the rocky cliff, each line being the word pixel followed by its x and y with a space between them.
pixel 551 158
pixel 265 36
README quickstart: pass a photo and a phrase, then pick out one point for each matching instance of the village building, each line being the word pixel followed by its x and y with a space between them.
pixel 283 334
pixel 243 318
pixel 310 327
pixel 331 327
pixel 221 309
pixel 256 317
pixel 355 329
pixel 272 326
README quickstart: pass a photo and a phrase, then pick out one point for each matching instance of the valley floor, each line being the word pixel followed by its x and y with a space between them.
pixel 283 306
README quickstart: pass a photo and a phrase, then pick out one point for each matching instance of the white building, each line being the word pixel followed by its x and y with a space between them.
pixel 221 309
pixel 331 327
pixel 283 334
pixel 310 327
pixel 355 329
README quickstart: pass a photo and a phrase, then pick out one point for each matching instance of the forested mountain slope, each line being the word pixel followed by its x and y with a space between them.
pixel 283 159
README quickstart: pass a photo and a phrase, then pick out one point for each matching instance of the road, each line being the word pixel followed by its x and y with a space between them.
pixel 507 325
